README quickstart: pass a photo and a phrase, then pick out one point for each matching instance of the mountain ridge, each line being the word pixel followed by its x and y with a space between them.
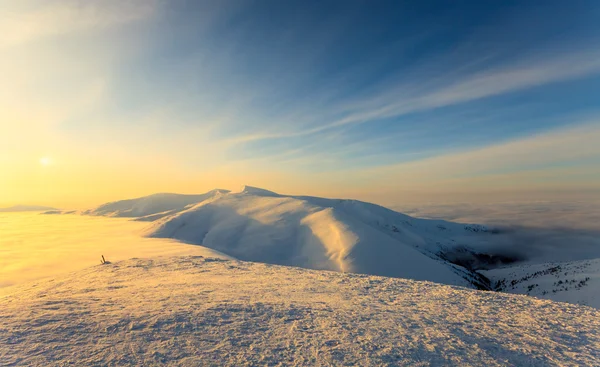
pixel 317 233
pixel 26 208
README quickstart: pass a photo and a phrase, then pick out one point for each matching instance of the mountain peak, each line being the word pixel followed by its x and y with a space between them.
pixel 251 190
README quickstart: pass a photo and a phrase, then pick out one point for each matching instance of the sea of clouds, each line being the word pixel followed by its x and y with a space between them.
pixel 536 231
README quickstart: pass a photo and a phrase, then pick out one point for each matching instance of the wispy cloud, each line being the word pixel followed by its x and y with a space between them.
pixel 560 158
pixel 26 21
pixel 405 98
pixel 308 118
pixel 309 134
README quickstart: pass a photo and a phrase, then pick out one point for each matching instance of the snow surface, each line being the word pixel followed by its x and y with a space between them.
pixel 189 311
pixel 574 282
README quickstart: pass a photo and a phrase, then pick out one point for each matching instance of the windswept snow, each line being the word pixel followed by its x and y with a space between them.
pixel 195 311
pixel 251 190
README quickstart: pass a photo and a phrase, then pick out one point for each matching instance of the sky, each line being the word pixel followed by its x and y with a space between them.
pixel 385 101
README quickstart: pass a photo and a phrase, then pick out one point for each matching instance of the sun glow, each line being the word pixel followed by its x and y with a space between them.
pixel 45 161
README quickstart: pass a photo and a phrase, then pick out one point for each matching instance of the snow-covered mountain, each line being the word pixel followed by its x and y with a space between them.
pixel 342 235
pixel 152 207
pixel 26 208
pixel 353 236
pixel 195 311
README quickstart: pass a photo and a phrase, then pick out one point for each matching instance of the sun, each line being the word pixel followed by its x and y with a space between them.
pixel 45 161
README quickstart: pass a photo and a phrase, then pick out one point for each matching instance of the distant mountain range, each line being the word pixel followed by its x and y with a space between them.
pixel 26 208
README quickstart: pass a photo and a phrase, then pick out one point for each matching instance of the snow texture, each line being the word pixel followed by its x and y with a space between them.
pixel 195 311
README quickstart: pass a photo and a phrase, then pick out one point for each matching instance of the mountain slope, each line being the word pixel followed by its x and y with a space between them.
pixel 199 311
pixel 341 235
pixel 156 205
pixel 574 282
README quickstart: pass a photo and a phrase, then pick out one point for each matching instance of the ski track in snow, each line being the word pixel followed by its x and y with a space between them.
pixel 188 311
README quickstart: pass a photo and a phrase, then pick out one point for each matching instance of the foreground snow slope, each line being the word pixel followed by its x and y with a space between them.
pixel 188 311
pixel 574 282
pixel 316 233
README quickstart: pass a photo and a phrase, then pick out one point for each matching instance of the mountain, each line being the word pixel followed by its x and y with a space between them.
pixel 329 234
pixel 195 311
pixel 56 212
pixel 26 208
pixel 152 207
pixel 353 236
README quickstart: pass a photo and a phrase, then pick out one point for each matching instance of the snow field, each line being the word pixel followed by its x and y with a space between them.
pixel 185 311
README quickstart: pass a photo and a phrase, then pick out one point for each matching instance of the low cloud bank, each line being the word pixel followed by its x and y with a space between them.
pixel 34 246
pixel 533 232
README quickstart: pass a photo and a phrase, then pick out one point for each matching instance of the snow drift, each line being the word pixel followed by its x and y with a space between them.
pixel 194 311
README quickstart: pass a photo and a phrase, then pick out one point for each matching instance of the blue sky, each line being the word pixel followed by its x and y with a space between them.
pixel 324 97
pixel 297 78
